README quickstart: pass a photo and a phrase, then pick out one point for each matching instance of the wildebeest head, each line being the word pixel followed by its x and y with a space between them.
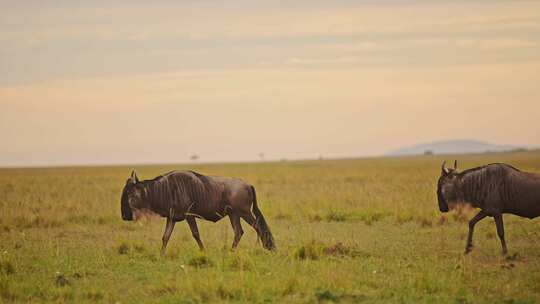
pixel 131 197
pixel 446 187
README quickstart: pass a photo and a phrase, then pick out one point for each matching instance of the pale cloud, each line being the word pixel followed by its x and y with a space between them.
pixel 317 61
pixel 495 43
pixel 189 21
pixel 362 46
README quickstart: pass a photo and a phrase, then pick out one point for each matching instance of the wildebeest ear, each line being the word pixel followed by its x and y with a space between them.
pixel 444 170
pixel 455 164
pixel 134 178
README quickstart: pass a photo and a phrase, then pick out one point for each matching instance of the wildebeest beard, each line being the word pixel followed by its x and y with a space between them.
pixel 460 206
pixel 127 214
pixel 443 206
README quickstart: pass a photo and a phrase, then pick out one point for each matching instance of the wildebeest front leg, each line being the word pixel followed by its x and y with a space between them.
pixel 194 231
pixel 478 217
pixel 237 227
pixel 500 232
pixel 167 234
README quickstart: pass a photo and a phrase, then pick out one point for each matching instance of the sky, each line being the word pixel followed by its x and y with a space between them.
pixel 121 82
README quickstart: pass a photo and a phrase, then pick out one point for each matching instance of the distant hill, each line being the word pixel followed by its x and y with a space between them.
pixel 460 146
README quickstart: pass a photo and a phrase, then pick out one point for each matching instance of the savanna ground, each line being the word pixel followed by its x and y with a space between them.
pixel 361 230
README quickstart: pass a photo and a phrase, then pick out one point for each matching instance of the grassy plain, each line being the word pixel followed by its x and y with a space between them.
pixel 359 230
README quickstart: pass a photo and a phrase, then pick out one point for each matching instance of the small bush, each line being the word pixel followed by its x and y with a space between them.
pixel 315 250
pixel 338 250
pixel 341 250
pixel 372 216
pixel 61 280
pixel 236 262
pixel 123 248
pixel 6 267
pixel 325 295
pixel 403 218
pixel 336 216
pixel 314 218
pixel 200 261
pixel 225 294
pixel 311 251
pixel 139 248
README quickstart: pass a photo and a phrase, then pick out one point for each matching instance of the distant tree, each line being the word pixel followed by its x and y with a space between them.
pixel 194 157
pixel 519 150
pixel 428 152
pixel 261 156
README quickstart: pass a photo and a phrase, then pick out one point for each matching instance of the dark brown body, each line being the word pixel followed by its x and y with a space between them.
pixel 519 193
pixel 495 189
pixel 187 195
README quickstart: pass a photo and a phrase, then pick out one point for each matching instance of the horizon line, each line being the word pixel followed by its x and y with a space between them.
pixel 270 161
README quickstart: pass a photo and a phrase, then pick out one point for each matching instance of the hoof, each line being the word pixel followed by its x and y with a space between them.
pixel 468 249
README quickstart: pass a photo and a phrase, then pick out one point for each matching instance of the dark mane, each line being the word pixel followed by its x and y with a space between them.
pixel 485 166
pixel 203 178
pixel 476 184
pixel 157 177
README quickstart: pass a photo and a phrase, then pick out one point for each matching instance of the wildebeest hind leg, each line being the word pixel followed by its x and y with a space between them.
pixel 195 231
pixel 478 217
pixel 237 227
pixel 500 232
pixel 167 234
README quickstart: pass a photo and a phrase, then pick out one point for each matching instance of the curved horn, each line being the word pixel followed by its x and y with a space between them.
pixel 134 177
pixel 455 164
pixel 443 168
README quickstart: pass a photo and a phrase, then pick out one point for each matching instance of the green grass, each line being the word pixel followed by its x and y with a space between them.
pixel 347 231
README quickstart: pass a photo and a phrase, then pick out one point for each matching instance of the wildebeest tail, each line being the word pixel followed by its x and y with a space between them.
pixel 262 227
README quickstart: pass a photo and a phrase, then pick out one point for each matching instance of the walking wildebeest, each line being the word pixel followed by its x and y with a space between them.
pixel 180 195
pixel 494 189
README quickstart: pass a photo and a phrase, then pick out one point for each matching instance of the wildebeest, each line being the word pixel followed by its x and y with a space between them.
pixel 494 189
pixel 180 195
